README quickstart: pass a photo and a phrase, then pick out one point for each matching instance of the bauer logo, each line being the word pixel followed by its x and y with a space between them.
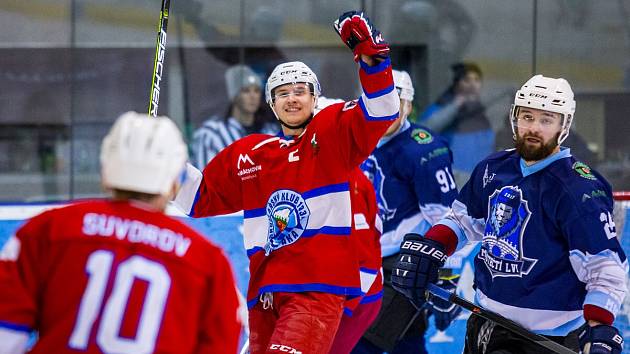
pixel 502 243
pixel 288 217
pixel 426 249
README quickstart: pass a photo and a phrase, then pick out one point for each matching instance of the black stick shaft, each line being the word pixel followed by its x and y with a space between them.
pixel 498 319
pixel 158 62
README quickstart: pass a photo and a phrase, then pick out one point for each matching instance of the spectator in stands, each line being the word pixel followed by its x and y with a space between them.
pixel 243 117
pixel 460 116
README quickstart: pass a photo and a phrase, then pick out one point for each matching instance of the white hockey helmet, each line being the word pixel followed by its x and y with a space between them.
pixel 143 154
pixel 403 84
pixel 547 94
pixel 291 73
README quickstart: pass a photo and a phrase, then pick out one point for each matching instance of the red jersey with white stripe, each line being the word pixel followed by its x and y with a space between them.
pixel 295 194
pixel 117 277
pixel 366 233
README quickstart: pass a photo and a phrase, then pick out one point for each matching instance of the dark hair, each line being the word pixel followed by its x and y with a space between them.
pixel 460 70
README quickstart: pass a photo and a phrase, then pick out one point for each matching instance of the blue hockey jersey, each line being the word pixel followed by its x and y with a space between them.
pixel 548 240
pixel 412 176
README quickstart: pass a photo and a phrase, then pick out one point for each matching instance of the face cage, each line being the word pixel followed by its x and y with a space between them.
pixel 567 119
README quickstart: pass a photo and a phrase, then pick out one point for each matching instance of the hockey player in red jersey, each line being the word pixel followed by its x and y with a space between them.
pixel 294 192
pixel 117 275
pixel 360 312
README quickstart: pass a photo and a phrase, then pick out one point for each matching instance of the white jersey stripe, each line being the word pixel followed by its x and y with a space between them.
pixel 322 215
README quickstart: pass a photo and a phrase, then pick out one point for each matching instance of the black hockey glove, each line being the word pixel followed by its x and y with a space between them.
pixel 418 264
pixel 444 311
pixel 357 32
pixel 600 339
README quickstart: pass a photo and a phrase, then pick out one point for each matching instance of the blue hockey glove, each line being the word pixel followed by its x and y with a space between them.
pixel 444 311
pixel 357 32
pixel 418 264
pixel 601 339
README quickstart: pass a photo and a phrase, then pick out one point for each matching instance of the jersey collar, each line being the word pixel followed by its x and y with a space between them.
pixel 386 139
pixel 528 170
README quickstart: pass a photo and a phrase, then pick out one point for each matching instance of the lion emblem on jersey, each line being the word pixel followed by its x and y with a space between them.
pixel 288 216
pixel 375 174
pixel 502 250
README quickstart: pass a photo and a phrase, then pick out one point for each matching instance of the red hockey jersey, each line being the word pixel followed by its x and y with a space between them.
pixel 295 195
pixel 117 277
pixel 365 237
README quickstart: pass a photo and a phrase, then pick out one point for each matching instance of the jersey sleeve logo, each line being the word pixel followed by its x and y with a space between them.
pixel 288 217
pixel 502 244
pixel 583 170
pixel 349 105
pixel 421 136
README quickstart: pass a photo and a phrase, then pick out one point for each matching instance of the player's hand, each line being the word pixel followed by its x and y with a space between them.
pixel 357 32
pixel 600 339
pixel 444 311
pixel 418 264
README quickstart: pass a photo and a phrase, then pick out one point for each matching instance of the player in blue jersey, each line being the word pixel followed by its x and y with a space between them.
pixel 411 173
pixel 550 259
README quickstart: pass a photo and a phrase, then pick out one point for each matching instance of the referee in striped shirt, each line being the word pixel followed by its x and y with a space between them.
pixel 243 117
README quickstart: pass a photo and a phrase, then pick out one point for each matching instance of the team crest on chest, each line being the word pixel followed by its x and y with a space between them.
pixel 288 217
pixel 502 244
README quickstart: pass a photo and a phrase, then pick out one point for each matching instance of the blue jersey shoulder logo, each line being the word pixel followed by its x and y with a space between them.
pixel 375 174
pixel 288 217
pixel 502 244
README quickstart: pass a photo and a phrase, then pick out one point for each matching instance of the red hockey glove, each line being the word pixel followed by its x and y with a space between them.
pixel 357 32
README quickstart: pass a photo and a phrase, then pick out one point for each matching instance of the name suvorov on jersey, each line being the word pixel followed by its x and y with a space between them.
pixel 135 231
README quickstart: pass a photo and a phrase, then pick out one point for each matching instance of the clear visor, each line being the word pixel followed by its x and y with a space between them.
pixel 286 91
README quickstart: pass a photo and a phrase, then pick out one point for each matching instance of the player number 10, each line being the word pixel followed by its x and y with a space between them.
pixel 98 268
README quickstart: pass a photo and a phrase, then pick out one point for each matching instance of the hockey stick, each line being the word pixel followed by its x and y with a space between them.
pixel 158 62
pixel 434 290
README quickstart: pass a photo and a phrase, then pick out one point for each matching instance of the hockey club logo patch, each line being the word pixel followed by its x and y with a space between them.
pixel 421 136
pixel 375 174
pixel 502 244
pixel 583 170
pixel 288 217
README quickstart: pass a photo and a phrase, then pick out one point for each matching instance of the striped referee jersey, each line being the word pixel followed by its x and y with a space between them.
pixel 215 134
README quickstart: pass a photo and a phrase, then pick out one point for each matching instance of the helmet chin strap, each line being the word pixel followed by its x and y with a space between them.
pixel 299 126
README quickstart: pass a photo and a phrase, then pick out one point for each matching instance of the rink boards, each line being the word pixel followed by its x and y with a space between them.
pixel 226 232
